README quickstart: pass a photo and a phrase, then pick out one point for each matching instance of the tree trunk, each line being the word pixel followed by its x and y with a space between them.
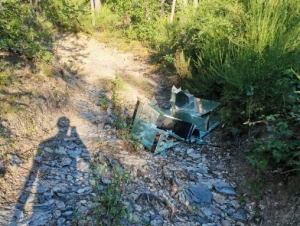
pixel 173 11
pixel 97 4
pixel 93 12
pixel 195 3
pixel 162 8
pixel 184 3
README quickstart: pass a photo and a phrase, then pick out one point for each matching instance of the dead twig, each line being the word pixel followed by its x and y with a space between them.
pixel 288 171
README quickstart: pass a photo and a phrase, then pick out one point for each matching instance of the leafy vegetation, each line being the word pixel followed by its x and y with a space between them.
pixel 110 209
pixel 23 32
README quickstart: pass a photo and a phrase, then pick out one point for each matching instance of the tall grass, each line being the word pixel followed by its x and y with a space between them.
pixel 240 52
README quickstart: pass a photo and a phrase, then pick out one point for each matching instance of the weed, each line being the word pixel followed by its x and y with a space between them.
pixel 255 186
pixel 182 65
pixel 112 148
pixel 103 102
pixel 121 122
pixel 110 208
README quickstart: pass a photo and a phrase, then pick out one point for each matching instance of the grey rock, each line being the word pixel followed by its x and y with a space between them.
pixel 224 188
pixel 18 214
pixel 230 212
pixel 218 198
pixel 69 178
pixel 61 151
pixel 198 194
pixel 226 223
pixel 190 150
pixel 41 219
pixel 216 211
pixel 67 213
pixel 71 145
pixel 48 150
pixel 37 159
pixel 60 221
pixel 207 212
pixel 137 207
pixel 240 215
pixel 74 153
pixel 66 161
pixel 156 220
pixel 83 201
pixel 41 199
pixel 83 190
pixel 82 209
pixel 200 220
pixel 44 207
pixel 178 149
pixel 60 205
pixel 47 196
pixel 194 156
pixel 57 213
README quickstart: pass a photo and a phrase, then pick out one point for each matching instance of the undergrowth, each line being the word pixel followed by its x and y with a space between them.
pixel 109 209
pixel 123 121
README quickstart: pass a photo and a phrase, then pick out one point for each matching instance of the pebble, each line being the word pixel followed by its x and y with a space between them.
pixel 66 161
pixel 18 214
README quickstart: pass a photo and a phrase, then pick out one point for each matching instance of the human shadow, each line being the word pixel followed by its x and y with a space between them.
pixel 58 181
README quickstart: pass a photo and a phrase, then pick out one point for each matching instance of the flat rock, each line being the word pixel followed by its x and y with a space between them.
pixel 18 214
pixel 224 188
pixel 198 194
pixel 218 198
pixel 61 151
pixel 240 215
pixel 74 153
pixel 66 161
pixel 156 220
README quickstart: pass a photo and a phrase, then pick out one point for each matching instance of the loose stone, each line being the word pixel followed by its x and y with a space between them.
pixel 66 161
pixel 224 188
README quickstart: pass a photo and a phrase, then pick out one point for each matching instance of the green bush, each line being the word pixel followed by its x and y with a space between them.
pixel 20 30
pixel 239 51
pixel 138 18
pixel 281 143
pixel 105 20
pixel 65 14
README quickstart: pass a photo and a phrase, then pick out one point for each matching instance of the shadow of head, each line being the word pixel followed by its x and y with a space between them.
pixel 63 124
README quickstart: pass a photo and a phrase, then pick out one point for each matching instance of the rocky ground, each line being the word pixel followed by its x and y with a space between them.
pixel 58 183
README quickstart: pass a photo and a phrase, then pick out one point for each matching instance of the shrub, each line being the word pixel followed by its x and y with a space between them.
pixel 65 14
pixel 20 30
pixel 281 144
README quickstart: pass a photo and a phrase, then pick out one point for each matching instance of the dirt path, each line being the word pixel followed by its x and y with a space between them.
pixel 54 185
pixel 51 182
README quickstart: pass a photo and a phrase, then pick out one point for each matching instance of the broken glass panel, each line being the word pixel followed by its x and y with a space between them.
pixel 189 119
pixel 163 144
